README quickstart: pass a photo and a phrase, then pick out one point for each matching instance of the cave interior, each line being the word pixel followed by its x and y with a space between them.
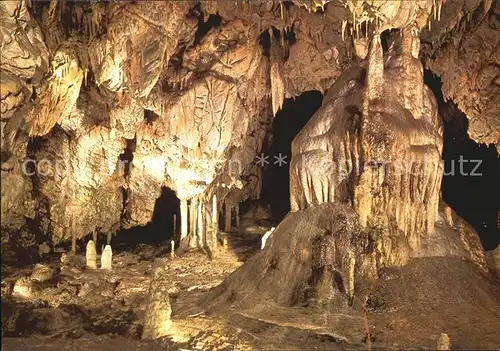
pixel 305 174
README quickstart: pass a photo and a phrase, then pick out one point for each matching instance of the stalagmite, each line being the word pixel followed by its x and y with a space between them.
pixel 91 255
pixel 215 224
pixel 265 237
pixel 352 265
pixel 157 321
pixel 172 249
pixel 184 219
pixel 227 217
pixel 443 342
pixel 107 258
pixel 237 214
pixel 193 208
pixel 200 225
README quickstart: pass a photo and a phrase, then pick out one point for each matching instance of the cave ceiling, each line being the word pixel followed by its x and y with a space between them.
pixel 187 87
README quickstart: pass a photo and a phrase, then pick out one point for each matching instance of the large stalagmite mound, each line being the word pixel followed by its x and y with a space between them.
pixel 365 193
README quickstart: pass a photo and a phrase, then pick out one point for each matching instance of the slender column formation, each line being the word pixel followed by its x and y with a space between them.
pixel 193 209
pixel 184 219
pixel 201 224
pixel 237 214
pixel 175 227
pixel 215 224
pixel 227 225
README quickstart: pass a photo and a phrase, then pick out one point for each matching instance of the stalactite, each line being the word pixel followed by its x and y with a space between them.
pixel 277 87
pixel 375 72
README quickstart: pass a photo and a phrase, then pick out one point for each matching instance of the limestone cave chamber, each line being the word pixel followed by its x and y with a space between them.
pixel 268 174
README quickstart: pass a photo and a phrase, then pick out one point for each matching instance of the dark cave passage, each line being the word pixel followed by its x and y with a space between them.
pixel 159 229
pixel 286 125
pixel 471 172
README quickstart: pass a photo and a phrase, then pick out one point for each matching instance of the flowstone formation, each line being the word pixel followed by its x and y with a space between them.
pixel 365 182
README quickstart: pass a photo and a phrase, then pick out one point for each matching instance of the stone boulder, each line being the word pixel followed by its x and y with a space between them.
pixel 42 273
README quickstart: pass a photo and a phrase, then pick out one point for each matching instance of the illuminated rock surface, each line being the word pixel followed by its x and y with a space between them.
pixel 105 106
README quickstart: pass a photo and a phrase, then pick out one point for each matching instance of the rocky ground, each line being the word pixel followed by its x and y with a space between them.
pixel 61 306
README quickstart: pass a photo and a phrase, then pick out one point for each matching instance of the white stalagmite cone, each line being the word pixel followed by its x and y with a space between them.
pixel 91 255
pixel 107 258
pixel 172 249
pixel 265 237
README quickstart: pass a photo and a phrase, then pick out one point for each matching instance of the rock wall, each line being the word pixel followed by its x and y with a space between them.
pixel 105 103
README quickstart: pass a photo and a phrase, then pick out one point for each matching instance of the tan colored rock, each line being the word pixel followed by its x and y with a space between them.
pixel 157 319
pixel 91 255
pixel 443 342
pixel 23 289
pixel 58 96
pixel 107 258
pixel 493 260
pixel 42 273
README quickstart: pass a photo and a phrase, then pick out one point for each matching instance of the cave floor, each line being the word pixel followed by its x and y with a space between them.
pixel 81 309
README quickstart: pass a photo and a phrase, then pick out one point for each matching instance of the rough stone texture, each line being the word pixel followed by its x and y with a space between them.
pixel 157 322
pixel 181 100
pixel 465 53
pixel 107 258
pixel 375 144
pixel 91 255
pixel 42 273
pixel 23 289
pixel 493 260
